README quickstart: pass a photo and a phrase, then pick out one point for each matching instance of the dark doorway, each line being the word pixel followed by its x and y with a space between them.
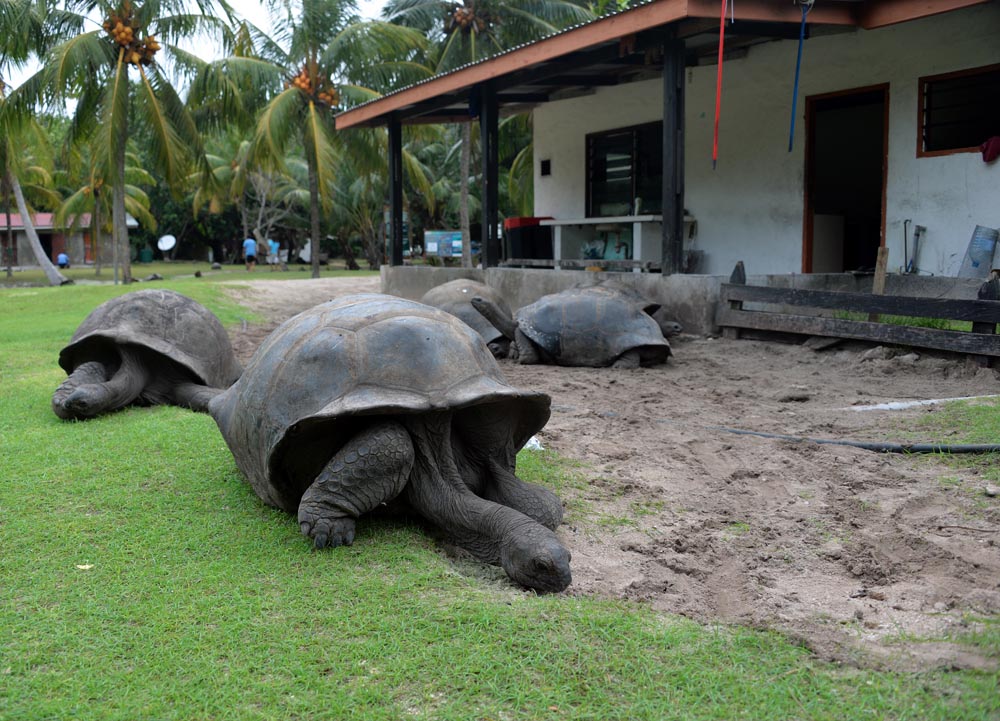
pixel 845 180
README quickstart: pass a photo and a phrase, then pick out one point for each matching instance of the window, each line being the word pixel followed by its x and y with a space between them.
pixel 625 171
pixel 959 111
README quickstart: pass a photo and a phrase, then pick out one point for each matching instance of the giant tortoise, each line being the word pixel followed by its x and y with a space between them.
pixel 580 327
pixel 454 297
pixel 148 347
pixel 668 326
pixel 369 398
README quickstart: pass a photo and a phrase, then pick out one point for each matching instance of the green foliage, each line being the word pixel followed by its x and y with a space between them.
pixel 142 578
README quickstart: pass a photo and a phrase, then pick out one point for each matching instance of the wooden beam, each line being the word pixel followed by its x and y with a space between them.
pixel 395 192
pixel 889 12
pixel 600 31
pixel 949 340
pixel 490 140
pixel 672 242
pixel 951 308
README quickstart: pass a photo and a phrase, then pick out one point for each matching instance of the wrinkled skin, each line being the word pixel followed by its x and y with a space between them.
pixel 485 509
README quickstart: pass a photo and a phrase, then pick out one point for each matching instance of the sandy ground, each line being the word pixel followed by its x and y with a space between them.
pixel 852 552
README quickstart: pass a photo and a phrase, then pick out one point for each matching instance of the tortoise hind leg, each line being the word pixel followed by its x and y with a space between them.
pixel 370 469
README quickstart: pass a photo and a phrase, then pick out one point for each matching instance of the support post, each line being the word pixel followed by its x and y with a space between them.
pixel 395 191
pixel 489 136
pixel 673 154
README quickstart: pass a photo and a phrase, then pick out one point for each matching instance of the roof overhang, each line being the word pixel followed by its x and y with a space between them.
pixel 622 47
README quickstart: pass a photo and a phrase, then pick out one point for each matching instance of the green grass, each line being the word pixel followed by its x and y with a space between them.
pixel 171 270
pixel 916 322
pixel 140 578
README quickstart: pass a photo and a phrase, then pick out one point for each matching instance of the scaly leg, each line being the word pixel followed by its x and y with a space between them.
pixel 84 374
pixel 372 468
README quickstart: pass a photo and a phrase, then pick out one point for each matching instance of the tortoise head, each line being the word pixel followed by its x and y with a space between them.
pixel 536 559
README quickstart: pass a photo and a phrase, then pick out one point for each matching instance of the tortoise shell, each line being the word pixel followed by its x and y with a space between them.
pixel 330 371
pixel 173 325
pixel 580 327
pixel 454 296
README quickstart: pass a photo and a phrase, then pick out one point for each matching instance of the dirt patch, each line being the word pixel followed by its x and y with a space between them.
pixel 855 553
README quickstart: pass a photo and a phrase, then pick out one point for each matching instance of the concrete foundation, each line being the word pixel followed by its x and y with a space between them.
pixel 690 299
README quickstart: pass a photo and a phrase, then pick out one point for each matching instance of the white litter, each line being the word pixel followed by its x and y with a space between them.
pixel 534 444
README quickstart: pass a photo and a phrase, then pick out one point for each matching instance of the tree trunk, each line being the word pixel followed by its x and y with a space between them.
pixel 119 229
pixel 349 261
pixel 9 242
pixel 314 216
pixel 95 221
pixel 51 272
pixel 465 160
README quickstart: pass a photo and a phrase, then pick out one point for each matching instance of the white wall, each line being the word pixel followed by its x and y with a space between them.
pixel 754 198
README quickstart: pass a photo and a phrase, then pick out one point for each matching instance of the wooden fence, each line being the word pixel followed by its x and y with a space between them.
pixel 981 340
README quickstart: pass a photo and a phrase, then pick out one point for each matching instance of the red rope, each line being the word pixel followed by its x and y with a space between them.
pixel 718 85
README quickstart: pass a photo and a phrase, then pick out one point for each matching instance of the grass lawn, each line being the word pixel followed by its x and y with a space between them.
pixel 140 578
pixel 171 270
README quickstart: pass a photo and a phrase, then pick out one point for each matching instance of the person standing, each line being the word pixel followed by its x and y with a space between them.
pixel 272 253
pixel 250 253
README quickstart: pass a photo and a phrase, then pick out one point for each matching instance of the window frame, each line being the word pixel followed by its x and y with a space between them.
pixel 590 138
pixel 922 83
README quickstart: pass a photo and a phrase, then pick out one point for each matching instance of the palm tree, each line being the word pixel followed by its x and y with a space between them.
pixel 22 27
pixel 95 67
pixel 87 183
pixel 316 61
pixel 472 30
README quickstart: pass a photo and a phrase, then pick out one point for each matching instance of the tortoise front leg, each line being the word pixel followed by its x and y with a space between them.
pixel 84 374
pixel 628 359
pixel 124 387
pixel 532 500
pixel 527 353
pixel 372 468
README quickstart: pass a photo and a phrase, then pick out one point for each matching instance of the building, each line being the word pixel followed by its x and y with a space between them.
pixel 76 243
pixel 889 101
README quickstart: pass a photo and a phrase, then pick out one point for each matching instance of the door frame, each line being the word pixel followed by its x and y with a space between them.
pixel 807 207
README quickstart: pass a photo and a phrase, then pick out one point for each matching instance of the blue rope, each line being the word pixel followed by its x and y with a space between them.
pixel 806 7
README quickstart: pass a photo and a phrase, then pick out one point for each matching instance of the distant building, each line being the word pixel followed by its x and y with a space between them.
pixel 76 243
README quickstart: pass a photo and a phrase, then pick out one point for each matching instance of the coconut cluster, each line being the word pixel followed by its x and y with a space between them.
pixel 322 91
pixel 122 29
pixel 466 19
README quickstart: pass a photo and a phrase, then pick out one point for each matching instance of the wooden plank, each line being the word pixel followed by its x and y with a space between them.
pixel 949 340
pixel 737 277
pixel 949 308
pixel 990 290
pixel 878 282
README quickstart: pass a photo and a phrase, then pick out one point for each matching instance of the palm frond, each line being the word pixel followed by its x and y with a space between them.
pixel 171 132
pixel 276 127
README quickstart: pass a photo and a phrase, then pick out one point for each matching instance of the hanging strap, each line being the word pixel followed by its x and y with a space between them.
pixel 806 7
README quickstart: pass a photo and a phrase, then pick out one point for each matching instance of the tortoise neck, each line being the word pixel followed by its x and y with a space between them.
pixel 438 492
